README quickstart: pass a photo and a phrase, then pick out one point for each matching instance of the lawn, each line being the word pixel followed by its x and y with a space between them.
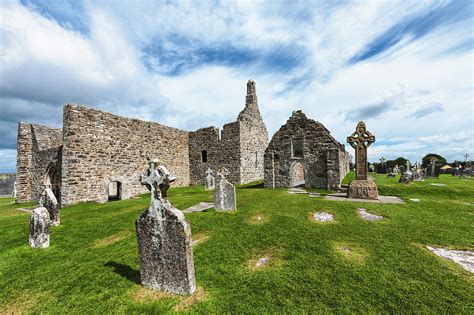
pixel 348 265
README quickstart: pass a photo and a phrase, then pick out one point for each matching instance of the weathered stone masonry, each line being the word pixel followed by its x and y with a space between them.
pixel 239 148
pixel 96 152
pixel 100 148
pixel 303 152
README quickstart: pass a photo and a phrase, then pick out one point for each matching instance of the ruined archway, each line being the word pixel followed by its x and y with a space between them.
pixel 52 179
pixel 297 174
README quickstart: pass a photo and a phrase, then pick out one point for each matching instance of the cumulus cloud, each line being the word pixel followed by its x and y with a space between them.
pixel 186 64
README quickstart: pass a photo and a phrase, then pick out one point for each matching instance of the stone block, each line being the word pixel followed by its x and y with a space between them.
pixel 362 189
pixel 39 228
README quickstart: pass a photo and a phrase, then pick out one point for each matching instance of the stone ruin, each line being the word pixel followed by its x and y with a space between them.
pixel 362 187
pixel 48 201
pixel 78 169
pixel 209 181
pixel 164 238
pixel 304 153
pixel 39 228
pixel 224 195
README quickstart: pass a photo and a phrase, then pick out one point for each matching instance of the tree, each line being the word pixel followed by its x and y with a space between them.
pixel 391 163
pixel 427 160
pixel 401 161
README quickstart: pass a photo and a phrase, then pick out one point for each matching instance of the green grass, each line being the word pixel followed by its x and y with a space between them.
pixel 346 266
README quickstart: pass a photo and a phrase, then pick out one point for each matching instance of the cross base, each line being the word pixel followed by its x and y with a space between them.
pixel 363 189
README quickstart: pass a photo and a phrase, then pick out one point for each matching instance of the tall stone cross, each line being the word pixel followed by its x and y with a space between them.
pixel 382 160
pixel 360 140
pixel 157 179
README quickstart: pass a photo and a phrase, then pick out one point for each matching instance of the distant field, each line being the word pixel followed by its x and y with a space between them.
pixel 349 265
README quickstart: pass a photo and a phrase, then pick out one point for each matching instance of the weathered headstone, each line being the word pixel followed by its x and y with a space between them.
pixel 467 170
pixel 418 173
pixel 382 167
pixel 406 175
pixel 164 239
pixel 361 187
pixel 14 190
pixel 48 200
pixel 224 195
pixel 371 168
pixel 209 181
pixel 433 169
pixel 39 228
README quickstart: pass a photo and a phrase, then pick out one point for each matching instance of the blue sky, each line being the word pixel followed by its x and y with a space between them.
pixel 404 67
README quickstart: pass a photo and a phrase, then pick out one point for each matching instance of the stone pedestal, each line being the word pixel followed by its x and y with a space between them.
pixel 165 251
pixel 39 228
pixel 224 195
pixel 48 200
pixel 362 189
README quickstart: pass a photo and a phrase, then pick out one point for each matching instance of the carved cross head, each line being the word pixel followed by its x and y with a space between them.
pixel 223 172
pixel 361 137
pixel 209 172
pixel 157 179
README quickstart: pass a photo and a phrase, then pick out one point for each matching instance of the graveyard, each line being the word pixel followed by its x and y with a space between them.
pixel 269 255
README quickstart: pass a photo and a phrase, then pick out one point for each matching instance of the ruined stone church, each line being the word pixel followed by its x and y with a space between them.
pixel 98 156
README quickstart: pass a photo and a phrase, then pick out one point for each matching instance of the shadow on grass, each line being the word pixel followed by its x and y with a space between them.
pixel 125 271
pixel 256 185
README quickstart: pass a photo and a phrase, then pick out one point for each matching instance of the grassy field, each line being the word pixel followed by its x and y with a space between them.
pixel 348 265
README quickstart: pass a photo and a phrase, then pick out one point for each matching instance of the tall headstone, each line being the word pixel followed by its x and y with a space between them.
pixel 39 228
pixel 224 195
pixel 406 176
pixel 433 169
pixel 209 180
pixel 14 190
pixel 467 170
pixel 382 167
pixel 164 238
pixel 361 187
pixel 48 200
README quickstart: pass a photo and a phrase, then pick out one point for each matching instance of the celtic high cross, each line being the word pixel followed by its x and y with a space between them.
pixel 360 140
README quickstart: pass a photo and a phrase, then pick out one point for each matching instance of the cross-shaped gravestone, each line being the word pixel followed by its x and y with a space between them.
pixel 157 179
pixel 408 166
pixel 467 160
pixel 382 160
pixel 360 140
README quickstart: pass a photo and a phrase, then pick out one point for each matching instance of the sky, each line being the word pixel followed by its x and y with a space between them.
pixel 404 67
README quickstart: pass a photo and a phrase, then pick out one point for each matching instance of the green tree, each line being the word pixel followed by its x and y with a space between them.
pixel 427 160
pixel 401 161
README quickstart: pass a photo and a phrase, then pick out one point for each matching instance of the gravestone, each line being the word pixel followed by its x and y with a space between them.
pixel 418 173
pixel 371 168
pixel 224 195
pixel 456 169
pixel 433 169
pixel 164 238
pixel 209 181
pixel 48 200
pixel 467 170
pixel 396 169
pixel 14 190
pixel 382 167
pixel 361 187
pixel 406 176
pixel 39 228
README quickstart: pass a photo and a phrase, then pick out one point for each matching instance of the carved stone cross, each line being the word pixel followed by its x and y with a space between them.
pixel 209 172
pixel 157 179
pixel 360 140
pixel 382 160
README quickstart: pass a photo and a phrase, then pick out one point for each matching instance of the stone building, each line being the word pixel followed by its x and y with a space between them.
pixel 98 156
pixel 303 153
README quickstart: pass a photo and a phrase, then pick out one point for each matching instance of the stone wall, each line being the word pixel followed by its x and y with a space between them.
pixel 38 149
pixel 240 148
pixel 320 155
pixel 100 148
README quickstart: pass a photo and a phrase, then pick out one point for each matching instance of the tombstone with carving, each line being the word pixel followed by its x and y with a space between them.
pixel 48 200
pixel 224 195
pixel 209 180
pixel 418 173
pixel 361 187
pixel 39 228
pixel 164 238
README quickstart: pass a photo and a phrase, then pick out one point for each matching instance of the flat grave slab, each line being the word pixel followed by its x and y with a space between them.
pixel 381 199
pixel 297 191
pixel 464 258
pixel 199 207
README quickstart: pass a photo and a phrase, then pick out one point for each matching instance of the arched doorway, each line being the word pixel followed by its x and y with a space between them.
pixel 297 175
pixel 52 179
